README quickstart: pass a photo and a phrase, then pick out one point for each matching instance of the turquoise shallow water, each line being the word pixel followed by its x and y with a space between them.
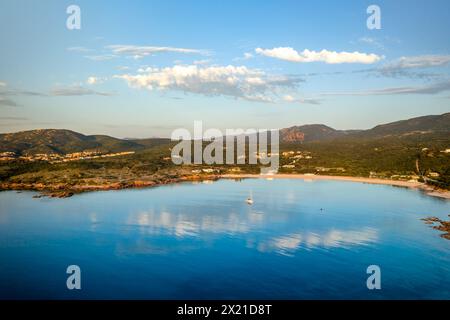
pixel 300 240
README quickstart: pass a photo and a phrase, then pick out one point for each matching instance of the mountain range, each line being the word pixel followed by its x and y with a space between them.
pixel 320 132
pixel 62 141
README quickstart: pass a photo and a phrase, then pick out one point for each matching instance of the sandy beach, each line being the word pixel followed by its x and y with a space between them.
pixel 407 184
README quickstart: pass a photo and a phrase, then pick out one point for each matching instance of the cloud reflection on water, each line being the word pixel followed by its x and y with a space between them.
pixel 329 239
pixel 198 225
pixel 182 225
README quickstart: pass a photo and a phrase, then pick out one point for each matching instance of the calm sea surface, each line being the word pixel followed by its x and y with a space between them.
pixel 299 240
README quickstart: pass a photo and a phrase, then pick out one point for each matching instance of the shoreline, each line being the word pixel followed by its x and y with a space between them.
pixel 434 192
pixel 64 191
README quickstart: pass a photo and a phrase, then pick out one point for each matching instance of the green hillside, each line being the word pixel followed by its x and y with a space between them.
pixel 63 141
pixel 411 149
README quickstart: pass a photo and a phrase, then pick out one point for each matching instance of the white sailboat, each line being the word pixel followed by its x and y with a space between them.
pixel 249 199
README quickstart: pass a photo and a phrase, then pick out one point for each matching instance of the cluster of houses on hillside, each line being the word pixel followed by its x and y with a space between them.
pixel 58 158
pixel 293 157
pixel 8 155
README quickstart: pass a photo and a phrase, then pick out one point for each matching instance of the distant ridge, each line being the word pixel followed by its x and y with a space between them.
pixel 311 132
pixel 320 132
pixel 434 123
pixel 62 141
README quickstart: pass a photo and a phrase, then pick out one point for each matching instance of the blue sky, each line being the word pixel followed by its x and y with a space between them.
pixel 144 68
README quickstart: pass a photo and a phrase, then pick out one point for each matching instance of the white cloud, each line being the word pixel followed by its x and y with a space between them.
pixel 411 67
pixel 247 56
pixel 288 98
pixel 202 62
pixel 434 88
pixel 138 52
pixel 18 92
pixel 291 99
pixel 331 57
pixel 145 69
pixel 233 81
pixel 102 57
pixel 94 80
pixel 371 41
pixel 2 84
pixel 399 66
pixel 76 91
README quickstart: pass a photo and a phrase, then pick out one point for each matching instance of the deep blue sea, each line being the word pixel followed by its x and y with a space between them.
pixel 299 240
